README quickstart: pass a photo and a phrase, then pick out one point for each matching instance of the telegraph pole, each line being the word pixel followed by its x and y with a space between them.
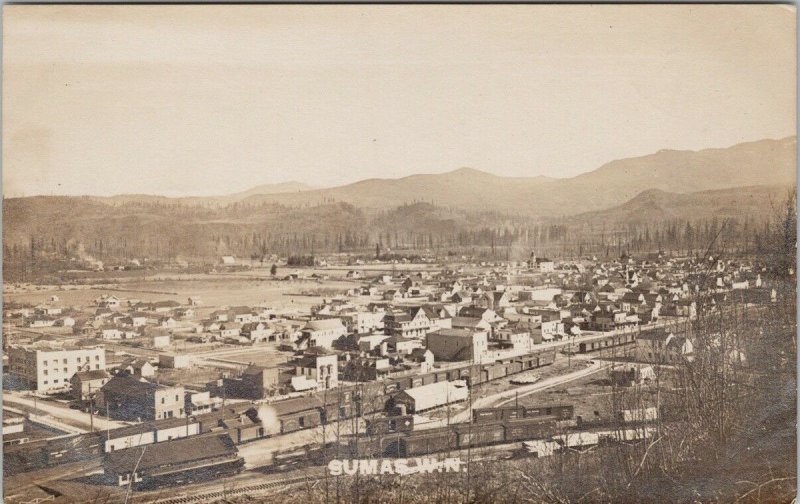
pixel 91 409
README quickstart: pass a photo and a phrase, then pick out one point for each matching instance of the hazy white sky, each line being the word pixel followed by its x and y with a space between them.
pixel 216 99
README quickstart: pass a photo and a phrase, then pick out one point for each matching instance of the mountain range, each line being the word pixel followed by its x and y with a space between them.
pixel 764 162
pixel 748 181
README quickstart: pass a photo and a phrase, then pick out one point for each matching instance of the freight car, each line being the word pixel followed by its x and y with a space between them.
pixel 461 436
pixel 549 412
pixel 473 374
pixel 427 441
pixel 375 447
pixel 555 412
pixel 606 342
pixel 47 453
pixel 472 435
pixel 529 428
pixel 486 415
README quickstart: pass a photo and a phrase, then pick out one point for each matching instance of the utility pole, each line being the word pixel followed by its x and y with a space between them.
pixel 91 409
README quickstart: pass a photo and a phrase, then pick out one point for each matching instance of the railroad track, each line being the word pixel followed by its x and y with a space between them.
pixel 236 491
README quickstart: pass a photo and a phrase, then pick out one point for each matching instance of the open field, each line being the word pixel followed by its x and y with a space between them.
pixel 214 290
pixel 593 396
pixel 260 356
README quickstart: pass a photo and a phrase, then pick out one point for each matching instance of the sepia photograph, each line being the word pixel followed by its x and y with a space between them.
pixel 399 253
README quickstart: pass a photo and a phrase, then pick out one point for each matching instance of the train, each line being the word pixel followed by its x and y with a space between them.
pixel 323 407
pixel 548 412
pixel 50 452
pixel 544 423
pixel 394 436
pixel 372 397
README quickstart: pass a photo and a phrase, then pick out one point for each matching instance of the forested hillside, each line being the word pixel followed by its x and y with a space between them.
pixel 64 227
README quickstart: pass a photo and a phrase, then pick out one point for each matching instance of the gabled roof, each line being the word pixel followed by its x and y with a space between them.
pixel 174 453
pixel 419 353
pixel 466 322
pixel 656 335
pixel 415 311
pixel 631 297
pixel 461 333
pixel 95 374
pixel 399 317
pixel 253 370
pixel 129 385
pixel 497 296
pixel 397 339
pixel 166 304
pixel 324 324
pixel 135 363
pixel 472 311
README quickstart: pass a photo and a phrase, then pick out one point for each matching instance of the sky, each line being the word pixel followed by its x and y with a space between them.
pixel 207 100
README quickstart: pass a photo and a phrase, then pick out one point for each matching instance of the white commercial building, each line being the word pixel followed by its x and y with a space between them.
pixel 50 369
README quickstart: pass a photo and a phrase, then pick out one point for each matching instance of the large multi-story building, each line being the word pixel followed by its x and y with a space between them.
pixel 323 332
pixel 50 369
pixel 319 367
pixel 363 322
pixel 408 325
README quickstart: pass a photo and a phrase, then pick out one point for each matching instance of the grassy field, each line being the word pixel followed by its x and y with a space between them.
pixel 593 396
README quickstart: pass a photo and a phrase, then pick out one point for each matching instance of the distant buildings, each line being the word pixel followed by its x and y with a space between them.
pixel 542 264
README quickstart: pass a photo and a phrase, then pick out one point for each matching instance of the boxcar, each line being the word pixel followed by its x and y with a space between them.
pixel 454 374
pixel 479 434
pixel 528 428
pixel 429 441
pixel 485 415
pixel 545 359
pixel 300 420
pixel 560 412
pixel 493 372
pixel 514 367
pixel 373 447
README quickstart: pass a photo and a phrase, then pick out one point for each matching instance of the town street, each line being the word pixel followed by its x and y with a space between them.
pixel 60 417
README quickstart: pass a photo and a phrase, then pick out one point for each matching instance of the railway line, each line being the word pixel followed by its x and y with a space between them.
pixel 246 490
